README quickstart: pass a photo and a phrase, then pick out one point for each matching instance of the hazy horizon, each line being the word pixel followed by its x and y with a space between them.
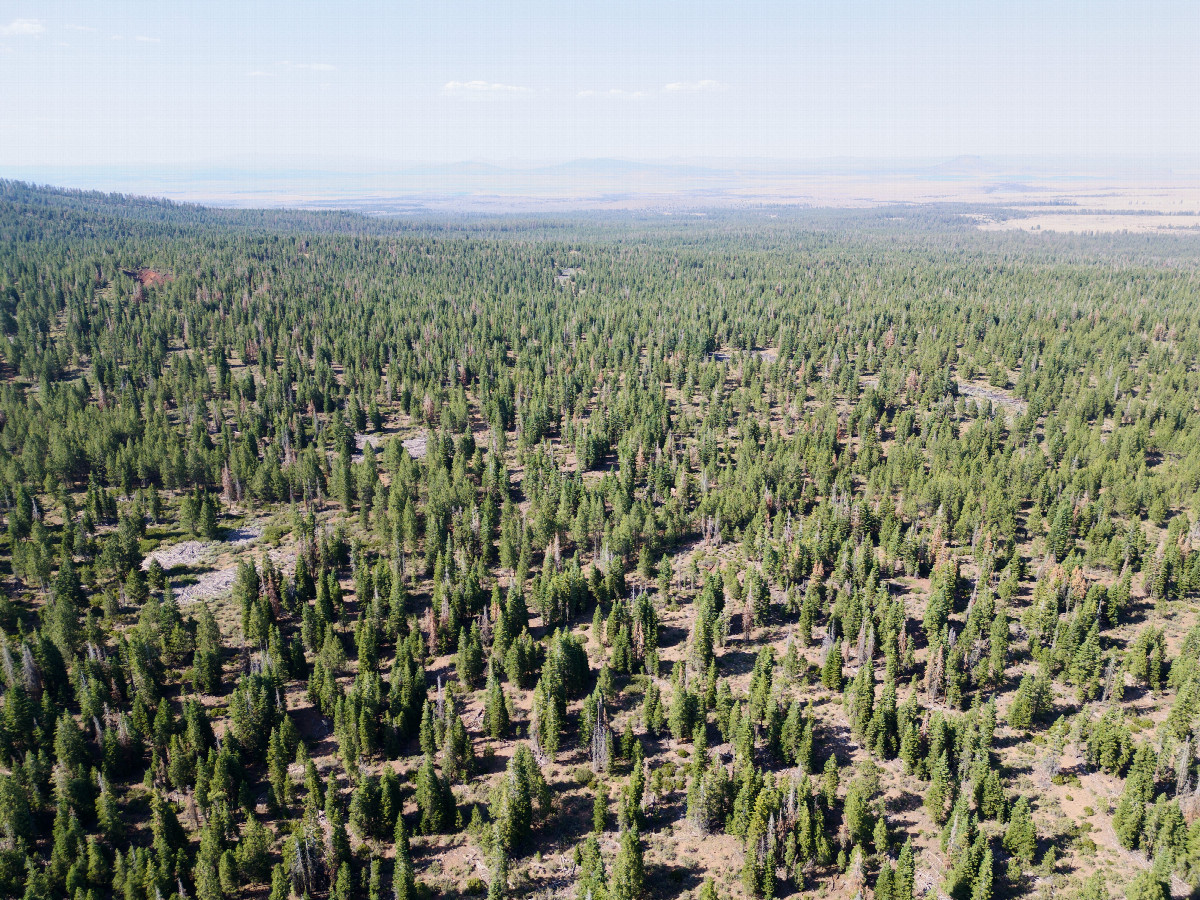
pixel 614 183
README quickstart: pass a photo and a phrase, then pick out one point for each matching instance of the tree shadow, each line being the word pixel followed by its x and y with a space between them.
pixel 735 661
pixel 906 802
pixel 1137 610
pixel 671 880
pixel 1011 739
pixel 671 635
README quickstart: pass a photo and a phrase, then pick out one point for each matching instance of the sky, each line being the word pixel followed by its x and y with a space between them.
pixel 357 86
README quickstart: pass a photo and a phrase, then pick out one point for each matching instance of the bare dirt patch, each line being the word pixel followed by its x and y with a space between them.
pixel 998 396
pixel 183 554
pixel 150 277
pixel 416 446
pixel 214 583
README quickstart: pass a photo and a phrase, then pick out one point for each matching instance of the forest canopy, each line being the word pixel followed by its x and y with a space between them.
pixel 607 556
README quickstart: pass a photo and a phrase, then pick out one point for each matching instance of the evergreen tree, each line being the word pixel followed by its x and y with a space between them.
pixel 513 800
pixel 403 880
pixel 884 882
pixel 599 807
pixel 940 793
pixel 469 659
pixel 435 800
pixel 1147 886
pixel 982 888
pixel 1020 838
pixel 831 670
pixel 592 880
pixel 904 882
pixel 498 886
pixel 629 874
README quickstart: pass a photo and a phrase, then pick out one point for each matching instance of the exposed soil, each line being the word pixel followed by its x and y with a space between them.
pixel 213 583
pixel 149 277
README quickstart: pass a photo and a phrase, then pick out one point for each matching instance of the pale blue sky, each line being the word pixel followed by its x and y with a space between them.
pixel 352 85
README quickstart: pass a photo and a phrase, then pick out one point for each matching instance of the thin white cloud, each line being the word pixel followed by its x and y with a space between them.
pixel 22 27
pixel 691 87
pixel 674 87
pixel 611 94
pixel 310 67
pixel 259 73
pixel 148 40
pixel 482 89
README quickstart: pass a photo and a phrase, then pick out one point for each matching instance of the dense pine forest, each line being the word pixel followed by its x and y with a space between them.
pixel 755 554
